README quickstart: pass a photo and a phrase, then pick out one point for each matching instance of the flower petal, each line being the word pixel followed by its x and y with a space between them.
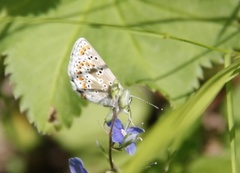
pixel 135 130
pixel 76 165
pixel 117 135
pixel 131 149
pixel 118 124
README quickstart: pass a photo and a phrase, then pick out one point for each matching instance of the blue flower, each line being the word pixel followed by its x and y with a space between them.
pixel 126 138
pixel 76 165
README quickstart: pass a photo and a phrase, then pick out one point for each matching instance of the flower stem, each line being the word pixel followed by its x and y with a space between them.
pixel 113 167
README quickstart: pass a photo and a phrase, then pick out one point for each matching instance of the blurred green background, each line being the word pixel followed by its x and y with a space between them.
pixel 146 45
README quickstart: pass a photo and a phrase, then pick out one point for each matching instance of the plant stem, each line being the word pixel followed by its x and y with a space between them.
pixel 231 126
pixel 112 166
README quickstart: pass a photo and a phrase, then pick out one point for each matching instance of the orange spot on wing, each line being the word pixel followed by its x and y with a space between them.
pixel 84 86
pixel 87 64
pixel 80 78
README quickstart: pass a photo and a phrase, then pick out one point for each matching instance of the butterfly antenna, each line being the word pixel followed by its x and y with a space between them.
pixel 144 101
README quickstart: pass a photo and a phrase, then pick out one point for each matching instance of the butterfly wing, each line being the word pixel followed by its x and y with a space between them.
pixel 89 74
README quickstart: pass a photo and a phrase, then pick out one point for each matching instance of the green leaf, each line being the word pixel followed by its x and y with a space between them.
pixel 174 127
pixel 127 34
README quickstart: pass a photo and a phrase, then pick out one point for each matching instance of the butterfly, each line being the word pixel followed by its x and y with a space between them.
pixel 92 79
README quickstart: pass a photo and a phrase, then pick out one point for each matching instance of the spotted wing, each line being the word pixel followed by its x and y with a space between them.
pixel 89 74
